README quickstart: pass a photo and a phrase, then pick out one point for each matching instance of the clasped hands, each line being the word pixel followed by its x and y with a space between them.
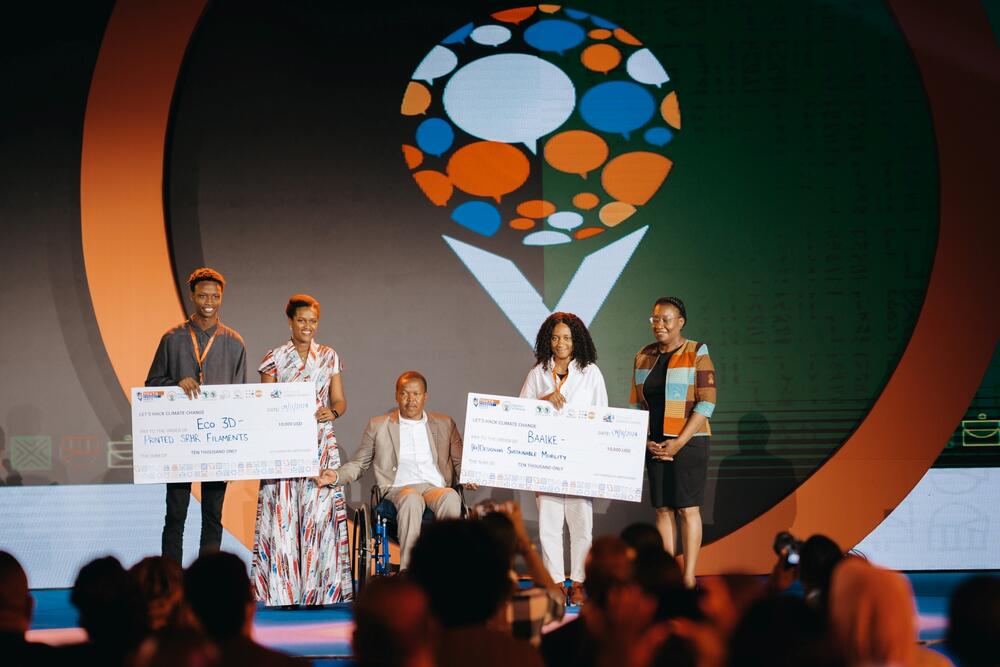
pixel 664 451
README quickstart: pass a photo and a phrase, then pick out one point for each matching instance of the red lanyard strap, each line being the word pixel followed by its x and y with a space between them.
pixel 199 356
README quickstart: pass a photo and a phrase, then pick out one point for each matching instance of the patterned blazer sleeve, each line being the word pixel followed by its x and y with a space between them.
pixel 352 471
pixel 633 392
pixel 704 382
pixel 268 365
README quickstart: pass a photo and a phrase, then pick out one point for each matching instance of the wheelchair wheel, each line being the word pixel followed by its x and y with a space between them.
pixel 361 556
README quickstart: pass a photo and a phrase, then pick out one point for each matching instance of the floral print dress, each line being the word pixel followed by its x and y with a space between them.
pixel 301 554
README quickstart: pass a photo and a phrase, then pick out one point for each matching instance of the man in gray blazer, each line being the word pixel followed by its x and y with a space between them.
pixel 417 457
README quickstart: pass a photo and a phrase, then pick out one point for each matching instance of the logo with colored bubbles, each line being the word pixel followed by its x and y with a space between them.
pixel 532 93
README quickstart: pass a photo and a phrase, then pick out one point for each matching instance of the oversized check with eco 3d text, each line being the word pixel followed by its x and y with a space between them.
pixel 238 431
pixel 521 443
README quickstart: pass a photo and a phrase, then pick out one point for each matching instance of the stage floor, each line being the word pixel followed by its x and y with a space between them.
pixel 325 634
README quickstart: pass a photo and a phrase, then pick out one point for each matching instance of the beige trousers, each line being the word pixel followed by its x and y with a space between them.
pixel 410 502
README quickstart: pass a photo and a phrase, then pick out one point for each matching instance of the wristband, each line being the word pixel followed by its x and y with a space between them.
pixel 336 415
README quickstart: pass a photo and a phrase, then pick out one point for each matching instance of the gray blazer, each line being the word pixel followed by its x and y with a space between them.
pixel 380 445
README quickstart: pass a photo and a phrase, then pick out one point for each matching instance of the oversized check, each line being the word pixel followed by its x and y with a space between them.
pixel 231 431
pixel 520 443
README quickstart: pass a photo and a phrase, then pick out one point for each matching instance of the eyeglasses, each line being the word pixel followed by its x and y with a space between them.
pixel 657 320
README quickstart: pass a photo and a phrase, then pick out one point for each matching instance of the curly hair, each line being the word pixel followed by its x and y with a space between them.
pixel 584 352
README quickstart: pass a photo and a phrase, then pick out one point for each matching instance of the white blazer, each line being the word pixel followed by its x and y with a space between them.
pixel 583 387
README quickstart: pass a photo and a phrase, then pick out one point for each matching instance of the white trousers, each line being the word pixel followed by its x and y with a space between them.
pixel 576 512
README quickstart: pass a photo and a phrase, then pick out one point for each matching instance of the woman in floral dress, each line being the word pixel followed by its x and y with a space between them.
pixel 301 554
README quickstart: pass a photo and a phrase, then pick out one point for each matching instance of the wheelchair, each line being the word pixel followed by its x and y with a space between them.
pixel 374 529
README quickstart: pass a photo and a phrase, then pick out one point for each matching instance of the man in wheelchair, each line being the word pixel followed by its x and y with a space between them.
pixel 417 457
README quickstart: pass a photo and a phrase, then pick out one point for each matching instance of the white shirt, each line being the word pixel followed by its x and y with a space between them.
pixel 416 461
pixel 583 387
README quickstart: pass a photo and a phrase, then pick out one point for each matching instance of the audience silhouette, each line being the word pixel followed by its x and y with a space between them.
pixel 16 608
pixel 453 607
pixel 110 611
pixel 218 590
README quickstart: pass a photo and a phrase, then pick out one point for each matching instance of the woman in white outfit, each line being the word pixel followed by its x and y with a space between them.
pixel 565 375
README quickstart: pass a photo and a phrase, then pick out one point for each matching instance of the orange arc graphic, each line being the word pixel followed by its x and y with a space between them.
pixel 121 179
pixel 121 170
pixel 122 222
pixel 903 434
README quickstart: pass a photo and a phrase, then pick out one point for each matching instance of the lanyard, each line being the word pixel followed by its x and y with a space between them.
pixel 199 356
pixel 559 381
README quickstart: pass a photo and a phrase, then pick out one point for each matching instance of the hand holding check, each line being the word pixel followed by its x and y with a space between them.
pixel 556 399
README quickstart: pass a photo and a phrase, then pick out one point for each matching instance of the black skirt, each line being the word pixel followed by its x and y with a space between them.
pixel 681 482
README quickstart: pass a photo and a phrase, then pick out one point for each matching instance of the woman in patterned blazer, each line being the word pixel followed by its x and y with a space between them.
pixel 674 380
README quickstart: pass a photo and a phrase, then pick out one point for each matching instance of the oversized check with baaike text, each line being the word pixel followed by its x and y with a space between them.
pixel 521 443
pixel 228 432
